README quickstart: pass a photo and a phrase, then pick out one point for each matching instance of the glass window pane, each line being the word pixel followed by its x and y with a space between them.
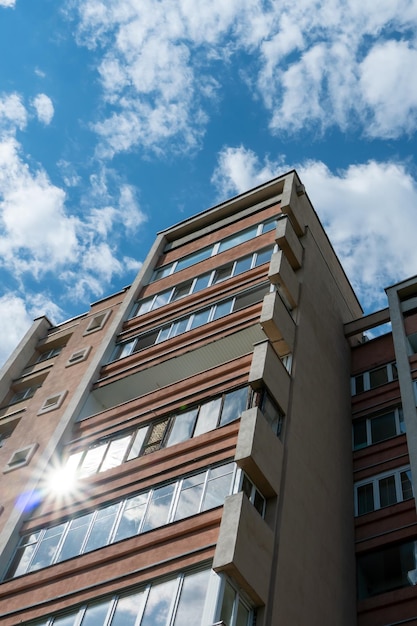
pixel 406 485
pixel 238 238
pixel 242 615
pixel 164 334
pixel 92 459
pixel 243 265
pixel 179 327
pixel 66 620
pixel 127 610
pixel 383 427
pixel 115 453
pixel 182 428
pixel 259 503
pixel 96 613
pixel 132 516
pixel 143 307
pixel 101 528
pixel 73 460
pixel 222 309
pixel 365 495
pixel 47 547
pixel 360 439
pixel 234 404
pixel 387 491
pixel 208 417
pixel 269 225
pixel 162 272
pixel 200 318
pixel 161 299
pixel 158 508
pixel 387 569
pixel 159 604
pixel 21 561
pixel 359 383
pixel 223 273
pixel 378 377
pixel 190 496
pixel 191 602
pixel 218 486
pixel 263 256
pixel 137 443
pixel 75 537
pixel 250 297
pixel 124 349
pixel 401 420
pixel 145 341
pixel 229 597
pixel 201 282
pixel 182 290
pixel 196 257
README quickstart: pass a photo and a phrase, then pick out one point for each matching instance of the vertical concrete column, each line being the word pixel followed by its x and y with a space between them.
pixel 404 376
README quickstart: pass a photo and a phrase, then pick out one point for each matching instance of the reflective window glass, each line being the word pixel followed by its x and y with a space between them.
pixel 218 486
pixel 190 496
pixel 75 537
pixel 200 318
pixel 159 604
pixel 182 290
pixel 360 437
pixel 223 273
pixel 66 620
pixel 137 443
pixel 201 282
pixel 238 238
pixel 127 609
pixel 383 427
pixel 229 597
pixel 100 531
pixel 96 613
pixel 365 499
pixel 182 428
pixel 115 452
pixel 92 459
pixel 222 309
pixel 234 404
pixel 406 485
pixel 208 416
pixel 191 603
pixel 242 615
pixel 387 491
pixel 132 516
pixel 263 256
pixel 46 551
pixel 378 377
pixel 158 507
pixel 196 257
pixel 243 265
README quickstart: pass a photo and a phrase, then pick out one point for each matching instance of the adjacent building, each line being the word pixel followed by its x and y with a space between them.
pixel 182 452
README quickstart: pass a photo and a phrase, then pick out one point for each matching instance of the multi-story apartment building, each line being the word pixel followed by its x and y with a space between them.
pixel 182 453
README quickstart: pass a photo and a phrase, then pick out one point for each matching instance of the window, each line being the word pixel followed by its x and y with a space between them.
pixel 20 458
pixel 24 394
pixel 376 428
pixel 78 356
pixel 177 601
pixel 374 378
pixel 191 321
pixel 97 322
pixel 176 428
pixel 392 567
pixel 383 490
pixel 253 494
pixel 217 248
pixel 52 402
pixel 234 611
pixel 271 412
pixel 49 354
pixel 137 514
pixel 201 282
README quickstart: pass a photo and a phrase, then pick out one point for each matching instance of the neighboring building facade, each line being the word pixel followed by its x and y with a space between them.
pixel 205 414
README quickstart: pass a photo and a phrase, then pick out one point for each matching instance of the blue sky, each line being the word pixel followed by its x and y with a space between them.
pixel 119 118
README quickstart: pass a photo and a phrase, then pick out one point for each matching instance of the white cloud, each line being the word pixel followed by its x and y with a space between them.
pixel 367 210
pixel 44 108
pixel 313 64
pixel 12 112
pixel 7 3
pixel 15 320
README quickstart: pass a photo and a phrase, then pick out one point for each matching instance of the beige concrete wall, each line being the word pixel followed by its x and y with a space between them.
pixel 314 579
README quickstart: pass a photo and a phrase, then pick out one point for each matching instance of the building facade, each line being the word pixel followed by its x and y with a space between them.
pixel 182 453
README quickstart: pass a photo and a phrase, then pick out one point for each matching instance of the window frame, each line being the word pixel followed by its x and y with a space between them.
pixel 374 481
pixel 398 421
pixel 365 377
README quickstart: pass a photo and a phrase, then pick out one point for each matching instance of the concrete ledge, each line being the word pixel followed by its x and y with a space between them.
pixel 244 547
pixel 291 204
pixel 277 324
pixel 289 243
pixel 259 452
pixel 267 369
pixel 282 275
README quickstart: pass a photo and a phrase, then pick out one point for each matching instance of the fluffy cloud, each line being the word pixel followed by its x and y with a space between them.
pixel 13 113
pixel 44 108
pixel 15 321
pixel 368 211
pixel 7 3
pixel 313 64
